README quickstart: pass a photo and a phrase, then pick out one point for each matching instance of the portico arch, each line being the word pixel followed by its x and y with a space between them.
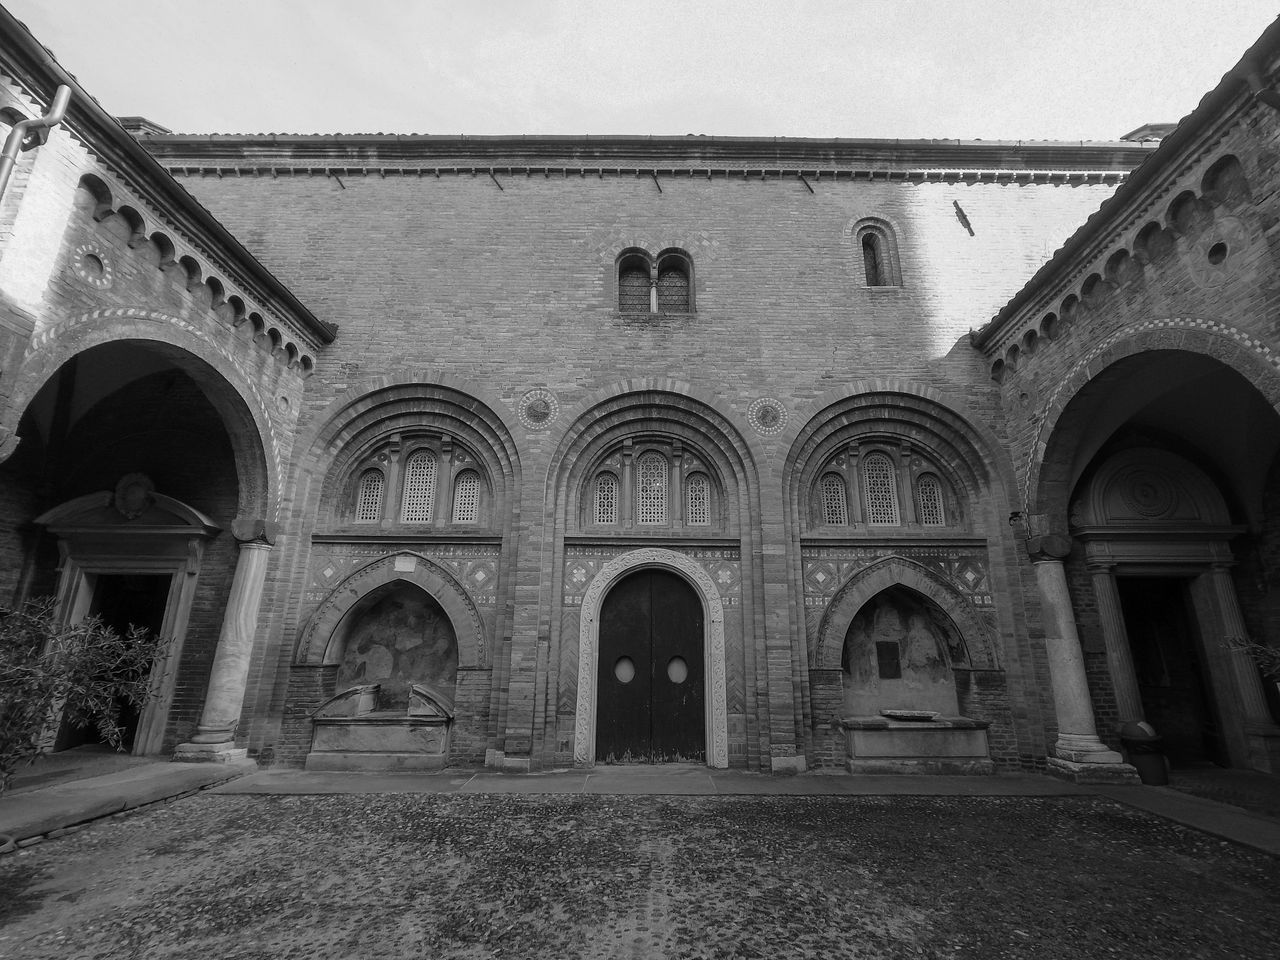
pixel 713 648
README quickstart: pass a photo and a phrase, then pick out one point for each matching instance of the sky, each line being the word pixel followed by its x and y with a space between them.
pixel 959 69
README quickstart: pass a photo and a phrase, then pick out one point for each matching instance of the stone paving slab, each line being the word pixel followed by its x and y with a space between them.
pixel 582 877
pixel 1219 819
pixel 34 813
pixel 645 781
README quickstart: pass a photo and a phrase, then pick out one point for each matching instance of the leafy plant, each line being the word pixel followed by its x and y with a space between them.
pixel 87 670
pixel 1267 658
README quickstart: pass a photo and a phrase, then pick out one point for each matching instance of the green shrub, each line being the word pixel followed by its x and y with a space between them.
pixel 87 669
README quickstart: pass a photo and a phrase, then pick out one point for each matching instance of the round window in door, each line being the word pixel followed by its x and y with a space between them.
pixel 653 619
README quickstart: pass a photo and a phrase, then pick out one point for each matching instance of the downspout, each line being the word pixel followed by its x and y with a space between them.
pixel 28 134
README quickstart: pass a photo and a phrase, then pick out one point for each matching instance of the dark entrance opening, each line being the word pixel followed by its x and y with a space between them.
pixel 650 700
pixel 1170 667
pixel 121 600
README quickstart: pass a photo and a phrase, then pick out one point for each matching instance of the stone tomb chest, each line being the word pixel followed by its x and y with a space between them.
pixel 350 732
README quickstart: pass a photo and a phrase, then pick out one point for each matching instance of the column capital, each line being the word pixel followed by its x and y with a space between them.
pixel 1100 564
pixel 1049 547
pixel 250 530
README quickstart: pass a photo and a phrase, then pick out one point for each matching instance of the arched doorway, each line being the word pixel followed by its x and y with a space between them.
pixel 651 699
pixel 134 408
pixel 715 700
pixel 1161 466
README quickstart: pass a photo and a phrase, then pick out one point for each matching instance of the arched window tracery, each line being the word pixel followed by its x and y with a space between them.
pixel 419 497
pixel 606 498
pixel 698 500
pixel 835 501
pixel 369 496
pixel 651 488
pixel 466 497
pixel 880 489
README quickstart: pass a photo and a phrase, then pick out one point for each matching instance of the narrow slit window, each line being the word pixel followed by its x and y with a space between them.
pixel 929 493
pixel 466 497
pixel 651 488
pixel 699 496
pixel 369 496
pixel 606 498
pixel 835 505
pixel 880 486
pixel 873 260
pixel 419 499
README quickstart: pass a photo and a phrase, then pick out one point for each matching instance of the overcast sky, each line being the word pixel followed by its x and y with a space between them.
pixel 995 69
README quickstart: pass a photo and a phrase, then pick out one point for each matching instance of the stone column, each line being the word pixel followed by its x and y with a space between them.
pixel 1119 655
pixel 1253 702
pixel 215 734
pixel 1078 753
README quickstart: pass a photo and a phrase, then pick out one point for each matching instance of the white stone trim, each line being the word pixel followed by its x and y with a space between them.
pixel 584 737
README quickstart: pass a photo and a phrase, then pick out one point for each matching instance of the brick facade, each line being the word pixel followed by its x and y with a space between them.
pixel 473 284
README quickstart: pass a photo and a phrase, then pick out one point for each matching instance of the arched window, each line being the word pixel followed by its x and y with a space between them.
pixel 606 498
pixel 873 259
pixel 880 487
pixel 879 249
pixel 929 494
pixel 369 496
pixel 698 491
pixel 418 503
pixel 673 285
pixel 651 488
pixel 633 284
pixel 466 497
pixel 835 504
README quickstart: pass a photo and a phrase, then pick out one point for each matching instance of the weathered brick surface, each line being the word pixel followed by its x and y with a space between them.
pixel 464 274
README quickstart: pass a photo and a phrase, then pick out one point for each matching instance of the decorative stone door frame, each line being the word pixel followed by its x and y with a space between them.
pixel 169 539
pixel 712 646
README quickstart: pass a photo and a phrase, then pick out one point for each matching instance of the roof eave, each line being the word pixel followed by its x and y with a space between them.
pixel 89 116
pixel 1211 106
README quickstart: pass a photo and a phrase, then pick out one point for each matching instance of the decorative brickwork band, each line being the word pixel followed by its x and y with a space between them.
pixel 713 649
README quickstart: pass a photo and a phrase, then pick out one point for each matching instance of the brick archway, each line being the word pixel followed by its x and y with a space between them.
pixel 316 646
pixel 1068 411
pixel 898 571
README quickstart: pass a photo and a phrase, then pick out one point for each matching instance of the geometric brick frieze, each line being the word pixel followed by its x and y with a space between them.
pixel 582 563
pixel 826 569
pixel 473 566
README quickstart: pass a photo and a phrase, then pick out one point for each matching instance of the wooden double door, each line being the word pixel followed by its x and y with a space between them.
pixel 650 694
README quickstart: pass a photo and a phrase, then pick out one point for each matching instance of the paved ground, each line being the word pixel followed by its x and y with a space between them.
pixel 448 875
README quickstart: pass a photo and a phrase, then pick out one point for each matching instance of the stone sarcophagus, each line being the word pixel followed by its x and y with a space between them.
pixel 350 732
pixel 911 741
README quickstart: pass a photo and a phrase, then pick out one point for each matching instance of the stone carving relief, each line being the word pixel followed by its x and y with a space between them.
pixel 538 409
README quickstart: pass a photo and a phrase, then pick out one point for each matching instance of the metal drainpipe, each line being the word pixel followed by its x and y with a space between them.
pixel 28 134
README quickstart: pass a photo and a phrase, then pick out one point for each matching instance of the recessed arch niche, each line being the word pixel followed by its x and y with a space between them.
pixel 899 653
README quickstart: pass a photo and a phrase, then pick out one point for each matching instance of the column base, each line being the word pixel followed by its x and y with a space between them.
pixel 1115 772
pixel 1080 748
pixel 225 752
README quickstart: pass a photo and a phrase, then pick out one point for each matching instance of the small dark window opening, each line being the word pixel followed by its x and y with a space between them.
pixel 873 260
pixel 673 287
pixel 633 286
pixel 888 660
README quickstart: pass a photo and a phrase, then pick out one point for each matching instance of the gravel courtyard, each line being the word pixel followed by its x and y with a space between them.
pixel 556 877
